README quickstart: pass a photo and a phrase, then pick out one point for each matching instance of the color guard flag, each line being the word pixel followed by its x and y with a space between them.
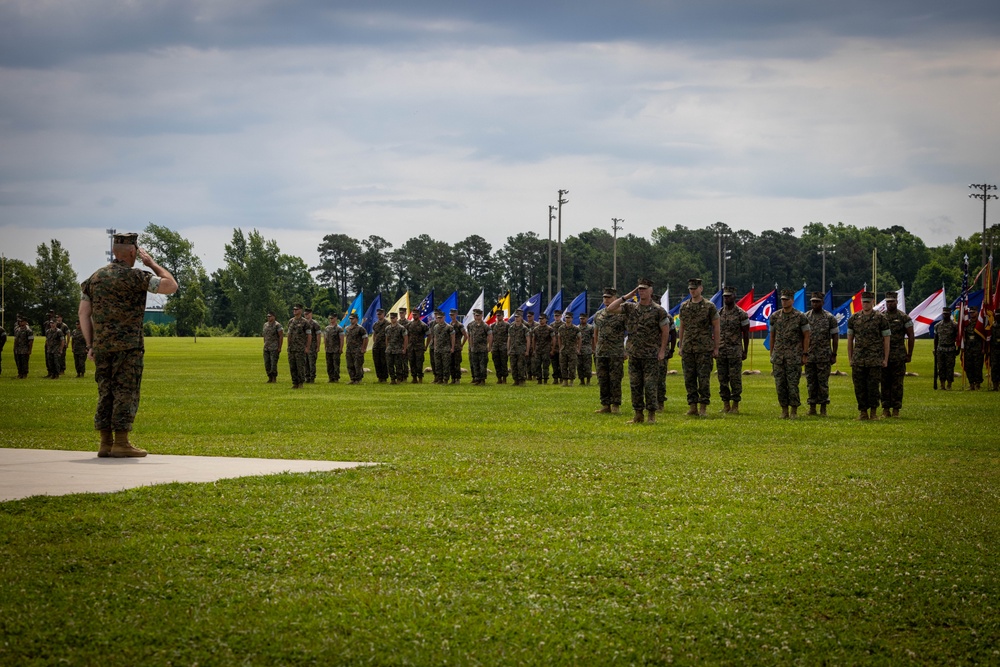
pixel 578 306
pixel 357 306
pixel 401 302
pixel 501 309
pixel 926 313
pixel 746 301
pixel 532 305
pixel 369 319
pixel 478 304
pixel 448 304
pixel 554 305
pixel 425 311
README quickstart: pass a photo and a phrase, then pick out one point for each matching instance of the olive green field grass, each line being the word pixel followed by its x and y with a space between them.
pixel 504 525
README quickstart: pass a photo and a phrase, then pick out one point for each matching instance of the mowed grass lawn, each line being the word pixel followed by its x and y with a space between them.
pixel 506 525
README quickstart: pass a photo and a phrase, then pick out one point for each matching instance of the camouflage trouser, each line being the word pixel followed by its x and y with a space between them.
pixel 697 367
pixel 297 366
pixel 787 372
pixel 541 361
pixel 892 384
pixel 311 357
pixel 533 367
pixel 52 363
pixel 397 365
pixel 643 375
pixel 518 361
pixel 61 358
pixel 556 371
pixel 21 361
pixel 730 370
pixel 333 366
pixel 818 382
pixel 974 367
pixel 118 375
pixel 661 382
pixel 866 381
pixel 416 357
pixel 456 363
pixel 567 365
pixel 442 365
pixel 80 362
pixel 381 362
pixel 356 366
pixel 610 371
pixel 500 364
pixel 946 365
pixel 584 365
pixel 271 363
pixel 477 365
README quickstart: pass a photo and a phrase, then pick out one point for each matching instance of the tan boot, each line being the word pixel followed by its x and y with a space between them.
pixel 693 410
pixel 651 416
pixel 702 410
pixel 886 413
pixel 895 412
pixel 863 416
pixel 784 412
pixel 735 409
pixel 107 440
pixel 726 406
pixel 873 414
pixel 122 448
pixel 604 409
pixel 615 410
pixel 812 409
pixel 794 414
pixel 822 410
pixel 638 419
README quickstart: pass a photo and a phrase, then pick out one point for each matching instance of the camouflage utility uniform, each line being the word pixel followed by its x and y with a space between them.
pixel 610 354
pixel 868 330
pixel 585 360
pixel 895 370
pixel 499 330
pixel 822 328
pixel 272 347
pixel 332 345
pixel 55 345
pixel 315 332
pixel 117 294
pixel 479 335
pixel 697 321
pixel 416 330
pixel 355 342
pixel 569 338
pixel 729 364
pixel 541 342
pixel 661 382
pixel 395 344
pixel 643 324
pixel 380 358
pixel 556 370
pixel 456 356
pixel 442 335
pixel 972 354
pixel 298 333
pixel 517 340
pixel 945 337
pixel 24 339
pixel 788 332
pixel 79 344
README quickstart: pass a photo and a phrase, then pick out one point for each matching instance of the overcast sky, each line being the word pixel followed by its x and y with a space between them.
pixel 455 118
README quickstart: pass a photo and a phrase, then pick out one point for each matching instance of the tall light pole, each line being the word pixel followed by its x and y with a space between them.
pixel 559 249
pixel 615 227
pixel 985 196
pixel 824 249
pixel 720 237
pixel 552 216
pixel 111 243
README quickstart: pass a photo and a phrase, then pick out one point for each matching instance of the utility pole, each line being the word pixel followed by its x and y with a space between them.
pixel 615 227
pixel 985 196
pixel 559 248
pixel 720 237
pixel 552 216
pixel 824 249
pixel 111 243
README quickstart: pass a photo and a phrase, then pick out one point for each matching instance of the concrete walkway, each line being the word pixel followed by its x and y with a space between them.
pixel 34 472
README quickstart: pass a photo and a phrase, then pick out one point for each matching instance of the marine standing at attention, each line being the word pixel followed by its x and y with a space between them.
pixel 24 341
pixel 480 340
pixel 609 350
pixel 790 332
pixel 734 341
pixel 585 360
pixel 356 341
pixel 274 337
pixel 517 348
pixel 498 346
pixel 824 338
pixel 868 354
pixel 945 341
pixel 79 350
pixel 900 354
pixel 112 305
pixel 298 332
pixel 333 343
pixel 698 345
pixel 416 346
pixel 648 332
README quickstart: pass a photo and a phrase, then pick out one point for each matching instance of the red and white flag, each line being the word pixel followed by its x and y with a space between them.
pixel 928 312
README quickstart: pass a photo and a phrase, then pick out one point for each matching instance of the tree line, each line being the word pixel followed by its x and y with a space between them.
pixel 257 276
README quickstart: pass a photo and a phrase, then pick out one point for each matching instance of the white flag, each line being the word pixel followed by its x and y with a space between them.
pixel 900 302
pixel 478 305
pixel 665 300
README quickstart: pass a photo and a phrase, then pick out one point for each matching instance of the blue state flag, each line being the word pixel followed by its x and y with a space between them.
pixel 717 300
pixel 448 304
pixel 762 315
pixel 578 306
pixel 843 313
pixel 677 309
pixel 828 300
pixel 799 302
pixel 554 305
pixel 357 306
pixel 532 305
pixel 591 319
pixel 426 308
pixel 369 319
